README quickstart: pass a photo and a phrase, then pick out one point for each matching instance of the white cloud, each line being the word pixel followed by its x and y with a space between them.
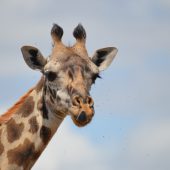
pixel 152 138
pixel 19 4
pixel 165 3
pixel 146 147
pixel 68 150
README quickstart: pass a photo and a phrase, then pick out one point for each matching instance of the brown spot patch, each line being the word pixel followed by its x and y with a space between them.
pixel 27 107
pixel 45 134
pixel 14 130
pixel 1 145
pixel 33 125
pixel 23 154
pixel 40 104
pixel 1 148
pixel 42 107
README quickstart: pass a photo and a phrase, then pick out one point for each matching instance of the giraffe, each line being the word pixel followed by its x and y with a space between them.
pixel 64 89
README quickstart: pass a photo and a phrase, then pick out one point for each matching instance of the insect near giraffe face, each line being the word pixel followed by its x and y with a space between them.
pixel 69 74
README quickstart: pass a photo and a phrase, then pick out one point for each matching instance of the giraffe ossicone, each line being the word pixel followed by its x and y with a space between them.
pixel 64 89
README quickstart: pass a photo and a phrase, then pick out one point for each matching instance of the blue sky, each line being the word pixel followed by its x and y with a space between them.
pixel 131 128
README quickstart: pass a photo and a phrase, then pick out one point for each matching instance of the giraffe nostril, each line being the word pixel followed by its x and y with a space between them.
pixel 76 101
pixel 90 101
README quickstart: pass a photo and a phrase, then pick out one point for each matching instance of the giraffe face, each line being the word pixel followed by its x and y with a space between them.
pixel 69 74
pixel 68 88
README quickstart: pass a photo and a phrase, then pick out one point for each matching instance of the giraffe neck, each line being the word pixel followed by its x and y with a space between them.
pixel 24 136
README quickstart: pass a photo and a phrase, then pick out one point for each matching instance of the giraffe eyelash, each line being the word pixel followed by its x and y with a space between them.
pixel 94 77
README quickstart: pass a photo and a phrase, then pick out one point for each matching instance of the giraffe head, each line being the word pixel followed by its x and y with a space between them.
pixel 69 74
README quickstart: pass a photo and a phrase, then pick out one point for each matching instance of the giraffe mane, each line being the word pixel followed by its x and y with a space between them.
pixel 7 115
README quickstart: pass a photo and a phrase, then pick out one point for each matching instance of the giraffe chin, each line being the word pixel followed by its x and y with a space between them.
pixel 80 123
pixel 82 116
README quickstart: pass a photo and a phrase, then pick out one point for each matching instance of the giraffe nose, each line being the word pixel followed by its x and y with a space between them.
pixel 79 101
pixel 76 101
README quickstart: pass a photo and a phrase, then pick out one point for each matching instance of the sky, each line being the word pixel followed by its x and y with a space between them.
pixel 131 127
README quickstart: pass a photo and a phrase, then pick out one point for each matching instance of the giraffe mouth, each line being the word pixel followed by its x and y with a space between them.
pixel 82 118
pixel 78 121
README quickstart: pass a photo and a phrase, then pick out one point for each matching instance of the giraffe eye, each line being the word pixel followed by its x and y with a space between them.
pixel 51 76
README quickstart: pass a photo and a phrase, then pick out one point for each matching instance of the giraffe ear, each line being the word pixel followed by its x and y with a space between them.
pixel 33 57
pixel 104 57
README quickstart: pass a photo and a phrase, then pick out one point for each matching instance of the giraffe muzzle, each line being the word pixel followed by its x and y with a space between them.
pixel 83 110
